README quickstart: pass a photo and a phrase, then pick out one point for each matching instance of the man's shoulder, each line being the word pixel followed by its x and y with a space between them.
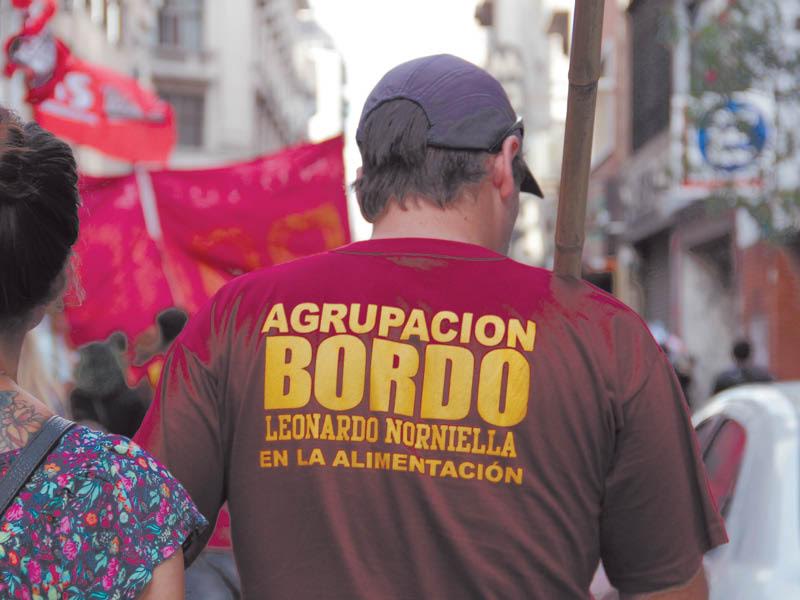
pixel 572 294
pixel 296 270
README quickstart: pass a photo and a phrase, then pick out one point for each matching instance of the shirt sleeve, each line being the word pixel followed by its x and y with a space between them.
pixel 154 508
pixel 183 427
pixel 658 517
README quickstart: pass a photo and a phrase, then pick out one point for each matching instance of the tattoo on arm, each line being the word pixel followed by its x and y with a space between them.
pixel 19 421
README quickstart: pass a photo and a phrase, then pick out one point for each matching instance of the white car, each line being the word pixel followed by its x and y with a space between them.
pixel 750 440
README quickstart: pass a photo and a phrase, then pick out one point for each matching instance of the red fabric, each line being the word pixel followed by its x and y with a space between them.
pixel 119 266
pixel 39 13
pixel 84 103
pixel 43 59
pixel 250 215
pixel 221 538
pixel 111 112
pixel 216 224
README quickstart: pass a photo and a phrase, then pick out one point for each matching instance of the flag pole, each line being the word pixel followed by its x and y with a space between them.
pixel 584 72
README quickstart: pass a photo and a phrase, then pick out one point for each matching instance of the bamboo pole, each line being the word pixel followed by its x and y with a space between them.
pixel 584 72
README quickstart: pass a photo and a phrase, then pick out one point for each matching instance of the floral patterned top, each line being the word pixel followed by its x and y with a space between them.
pixel 92 522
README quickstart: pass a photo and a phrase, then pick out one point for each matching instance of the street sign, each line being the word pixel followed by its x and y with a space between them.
pixel 729 141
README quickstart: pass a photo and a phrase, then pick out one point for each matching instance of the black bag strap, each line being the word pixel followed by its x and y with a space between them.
pixel 30 458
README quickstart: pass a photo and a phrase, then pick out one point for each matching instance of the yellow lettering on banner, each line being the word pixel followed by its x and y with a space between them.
pixel 343 423
pixel 423 435
pixel 416 326
pixel 349 352
pixel 316 458
pixel 327 429
pixel 394 428
pixel 463 443
pixel 456 391
pixel 287 383
pixel 265 459
pixel 382 460
pixel 284 427
pixel 498 330
pixel 340 459
pixel 466 328
pixel 354 462
pixel 490 386
pixel 384 375
pixel 333 315
pixel 310 323
pixel 369 321
pixel 437 332
pixel 509 449
pixel 312 425
pixel 273 458
pixel 269 435
pixel 514 475
pixel 399 462
pixel 276 318
pixel 391 316
pixel 525 337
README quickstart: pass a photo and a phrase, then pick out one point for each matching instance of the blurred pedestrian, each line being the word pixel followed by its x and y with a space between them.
pixel 679 357
pixel 742 371
pixel 101 397
pixel 417 415
pixel 97 517
pixel 152 346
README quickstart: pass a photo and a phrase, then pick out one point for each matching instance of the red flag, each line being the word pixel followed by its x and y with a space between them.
pixel 216 224
pixel 219 223
pixel 110 112
pixel 42 58
pixel 119 266
pixel 37 14
pixel 84 103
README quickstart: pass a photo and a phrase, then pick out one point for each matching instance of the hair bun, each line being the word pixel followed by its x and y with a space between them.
pixel 38 214
pixel 16 178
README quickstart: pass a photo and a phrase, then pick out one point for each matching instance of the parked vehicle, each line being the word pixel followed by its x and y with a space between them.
pixel 750 440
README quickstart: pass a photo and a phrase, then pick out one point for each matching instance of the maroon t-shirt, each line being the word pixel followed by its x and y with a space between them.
pixel 414 418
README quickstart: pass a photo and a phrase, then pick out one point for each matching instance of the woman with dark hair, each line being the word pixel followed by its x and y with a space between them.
pixel 99 517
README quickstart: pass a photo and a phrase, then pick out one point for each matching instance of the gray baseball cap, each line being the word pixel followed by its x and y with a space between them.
pixel 467 108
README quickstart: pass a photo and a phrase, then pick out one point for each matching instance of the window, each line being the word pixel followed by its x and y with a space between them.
pixel 652 70
pixel 113 22
pixel 605 121
pixel 97 11
pixel 180 24
pixel 723 458
pixel 705 431
pixel 559 25
pixel 189 110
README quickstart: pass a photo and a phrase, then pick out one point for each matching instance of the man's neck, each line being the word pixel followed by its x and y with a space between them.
pixel 419 218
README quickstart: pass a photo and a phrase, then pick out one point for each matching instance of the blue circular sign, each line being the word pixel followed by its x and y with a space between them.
pixel 732 135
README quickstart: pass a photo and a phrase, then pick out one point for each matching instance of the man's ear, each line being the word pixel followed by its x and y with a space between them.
pixel 502 167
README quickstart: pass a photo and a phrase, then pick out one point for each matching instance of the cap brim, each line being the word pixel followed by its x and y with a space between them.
pixel 529 183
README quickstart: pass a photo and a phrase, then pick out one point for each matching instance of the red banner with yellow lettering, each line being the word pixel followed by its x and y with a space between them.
pixel 214 224
pixel 118 264
pixel 219 223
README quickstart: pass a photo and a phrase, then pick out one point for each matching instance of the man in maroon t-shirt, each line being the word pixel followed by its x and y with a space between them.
pixel 418 416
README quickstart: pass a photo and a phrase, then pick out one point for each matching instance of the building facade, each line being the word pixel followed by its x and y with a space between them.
pixel 658 234
pixel 528 52
pixel 688 257
pixel 239 74
pixel 235 75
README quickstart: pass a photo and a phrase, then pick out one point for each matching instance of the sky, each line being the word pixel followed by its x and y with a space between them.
pixel 375 35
